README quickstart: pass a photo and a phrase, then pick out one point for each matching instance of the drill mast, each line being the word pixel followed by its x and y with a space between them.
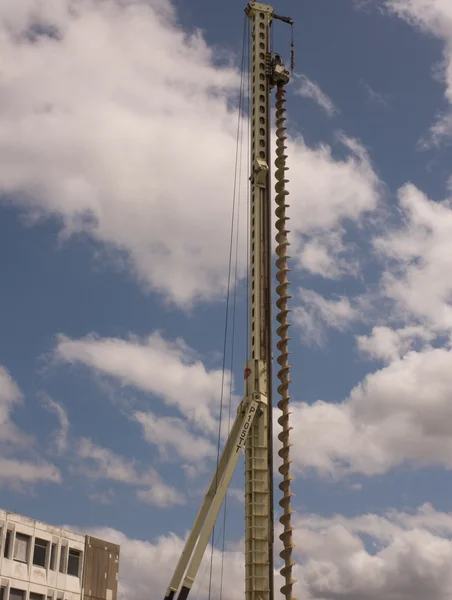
pixel 252 429
pixel 258 454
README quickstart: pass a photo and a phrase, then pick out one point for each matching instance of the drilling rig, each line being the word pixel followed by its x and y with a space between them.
pixel 252 428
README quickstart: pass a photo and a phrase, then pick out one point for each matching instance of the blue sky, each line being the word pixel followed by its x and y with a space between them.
pixel 116 175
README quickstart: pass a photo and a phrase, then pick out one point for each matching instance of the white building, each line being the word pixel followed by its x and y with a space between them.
pixel 41 562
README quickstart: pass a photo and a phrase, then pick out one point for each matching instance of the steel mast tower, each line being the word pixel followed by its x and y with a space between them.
pixel 258 455
pixel 252 429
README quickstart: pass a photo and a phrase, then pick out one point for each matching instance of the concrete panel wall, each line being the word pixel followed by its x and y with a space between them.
pixel 100 580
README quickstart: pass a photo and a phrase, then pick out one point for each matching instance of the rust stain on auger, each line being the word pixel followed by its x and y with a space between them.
pixel 283 343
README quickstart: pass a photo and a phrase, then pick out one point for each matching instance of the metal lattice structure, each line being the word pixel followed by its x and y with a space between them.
pixel 258 454
pixel 252 429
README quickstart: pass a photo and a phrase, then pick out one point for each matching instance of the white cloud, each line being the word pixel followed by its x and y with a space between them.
pixel 309 89
pixel 376 97
pixel 440 131
pixel 111 151
pixel 408 558
pixel 356 487
pixel 420 261
pixel 316 258
pixel 101 463
pixel 335 195
pixel 173 439
pixel 398 415
pixel 237 494
pixel 161 495
pixel 125 154
pixel 433 17
pixel 333 191
pixel 325 254
pixel 316 312
pixel 10 396
pixel 9 392
pixel 16 470
pixel 169 370
pixel 61 435
pixel 389 344
pixel 103 497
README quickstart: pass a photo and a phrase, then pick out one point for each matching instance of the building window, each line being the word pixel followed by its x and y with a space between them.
pixel 21 547
pixel 73 564
pixel 63 559
pixel 53 557
pixel 2 593
pixel 39 552
pixel 16 594
pixel 35 596
pixel 6 552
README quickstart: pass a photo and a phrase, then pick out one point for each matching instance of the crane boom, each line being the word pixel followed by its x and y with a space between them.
pixel 252 428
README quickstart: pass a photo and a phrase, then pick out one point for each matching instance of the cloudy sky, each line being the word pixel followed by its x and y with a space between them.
pixel 118 121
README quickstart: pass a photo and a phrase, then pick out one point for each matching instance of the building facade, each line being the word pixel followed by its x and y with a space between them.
pixel 42 562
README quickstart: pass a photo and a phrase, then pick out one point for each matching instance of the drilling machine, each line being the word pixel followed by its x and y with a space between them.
pixel 252 428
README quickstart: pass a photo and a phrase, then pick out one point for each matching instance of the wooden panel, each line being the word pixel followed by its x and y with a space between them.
pixel 100 574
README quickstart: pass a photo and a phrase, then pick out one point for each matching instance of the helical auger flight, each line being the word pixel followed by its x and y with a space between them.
pixel 283 343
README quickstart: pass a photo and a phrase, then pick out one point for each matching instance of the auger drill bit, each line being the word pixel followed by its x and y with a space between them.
pixel 283 343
